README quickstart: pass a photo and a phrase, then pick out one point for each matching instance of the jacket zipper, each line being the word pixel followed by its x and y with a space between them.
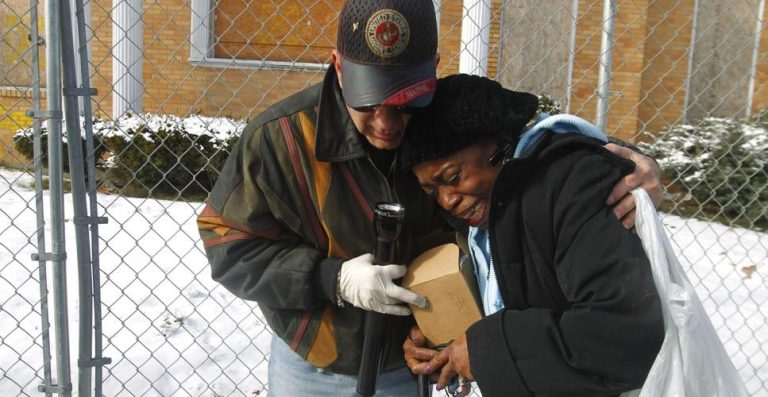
pixel 492 242
pixel 390 194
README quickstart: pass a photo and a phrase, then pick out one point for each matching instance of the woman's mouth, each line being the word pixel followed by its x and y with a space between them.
pixel 475 215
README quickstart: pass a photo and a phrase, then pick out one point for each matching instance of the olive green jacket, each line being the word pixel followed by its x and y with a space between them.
pixel 293 201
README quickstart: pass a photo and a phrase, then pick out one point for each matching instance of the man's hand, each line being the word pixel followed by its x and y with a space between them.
pixel 370 287
pixel 646 176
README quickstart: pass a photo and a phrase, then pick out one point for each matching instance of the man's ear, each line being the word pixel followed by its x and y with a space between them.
pixel 336 60
pixel 437 59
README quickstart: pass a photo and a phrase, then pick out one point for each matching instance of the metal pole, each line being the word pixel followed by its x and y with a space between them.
pixel 475 33
pixel 81 219
pixel 604 77
pixel 45 326
pixel 200 47
pixel 691 53
pixel 499 56
pixel 56 179
pixel 571 54
pixel 755 56
pixel 127 53
pixel 98 360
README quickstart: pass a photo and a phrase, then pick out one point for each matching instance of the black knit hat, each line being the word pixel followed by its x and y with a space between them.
pixel 465 110
pixel 387 50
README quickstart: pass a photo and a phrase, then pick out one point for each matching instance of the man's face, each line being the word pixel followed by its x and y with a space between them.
pixel 462 182
pixel 382 126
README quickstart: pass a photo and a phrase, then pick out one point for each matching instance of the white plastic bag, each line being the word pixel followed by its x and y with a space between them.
pixel 692 361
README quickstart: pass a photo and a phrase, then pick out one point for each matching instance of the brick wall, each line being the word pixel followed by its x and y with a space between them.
pixel 650 61
pixel 14 105
pixel 449 42
pixel 173 85
pixel 627 65
pixel 662 88
pixel 648 75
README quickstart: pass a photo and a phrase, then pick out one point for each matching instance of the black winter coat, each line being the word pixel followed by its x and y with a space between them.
pixel 582 315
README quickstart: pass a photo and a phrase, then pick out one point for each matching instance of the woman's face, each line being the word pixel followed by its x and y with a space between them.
pixel 462 182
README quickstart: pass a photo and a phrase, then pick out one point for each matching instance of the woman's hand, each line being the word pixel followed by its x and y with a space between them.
pixel 454 360
pixel 646 175
pixel 417 356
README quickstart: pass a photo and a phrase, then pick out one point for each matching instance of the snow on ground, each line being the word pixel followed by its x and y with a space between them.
pixel 171 331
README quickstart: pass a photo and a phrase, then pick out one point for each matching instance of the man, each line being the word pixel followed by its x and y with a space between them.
pixel 288 223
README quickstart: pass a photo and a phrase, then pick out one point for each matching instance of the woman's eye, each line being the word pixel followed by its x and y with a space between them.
pixel 453 180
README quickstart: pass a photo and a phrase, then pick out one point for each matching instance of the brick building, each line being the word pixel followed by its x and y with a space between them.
pixel 253 53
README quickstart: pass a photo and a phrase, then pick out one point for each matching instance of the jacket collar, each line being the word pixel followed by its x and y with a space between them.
pixel 549 144
pixel 337 138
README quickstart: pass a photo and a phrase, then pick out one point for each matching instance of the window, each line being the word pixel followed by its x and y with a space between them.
pixel 264 32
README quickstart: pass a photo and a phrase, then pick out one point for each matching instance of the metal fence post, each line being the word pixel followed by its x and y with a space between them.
pixel 83 237
pixel 475 31
pixel 755 56
pixel 45 325
pixel 571 53
pixel 56 180
pixel 77 181
pixel 97 360
pixel 604 75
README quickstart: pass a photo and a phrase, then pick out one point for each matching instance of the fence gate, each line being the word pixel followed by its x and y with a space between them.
pixel 116 117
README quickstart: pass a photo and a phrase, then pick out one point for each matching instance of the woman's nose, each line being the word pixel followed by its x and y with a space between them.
pixel 448 199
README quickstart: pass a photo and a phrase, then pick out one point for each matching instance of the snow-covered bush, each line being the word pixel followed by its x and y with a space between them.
pixel 157 155
pixel 719 164
pixel 548 105
pixel 169 156
pixel 23 142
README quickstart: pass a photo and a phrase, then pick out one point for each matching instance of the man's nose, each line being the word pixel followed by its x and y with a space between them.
pixel 387 117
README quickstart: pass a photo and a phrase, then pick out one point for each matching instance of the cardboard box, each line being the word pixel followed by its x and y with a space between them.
pixel 449 285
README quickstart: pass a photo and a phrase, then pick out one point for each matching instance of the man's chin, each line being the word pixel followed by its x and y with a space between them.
pixel 385 143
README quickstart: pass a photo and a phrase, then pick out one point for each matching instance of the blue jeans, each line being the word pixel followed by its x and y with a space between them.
pixel 292 376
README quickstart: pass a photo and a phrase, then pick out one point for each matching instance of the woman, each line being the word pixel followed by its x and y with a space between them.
pixel 571 307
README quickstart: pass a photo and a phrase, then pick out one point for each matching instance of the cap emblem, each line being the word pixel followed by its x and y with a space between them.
pixel 387 33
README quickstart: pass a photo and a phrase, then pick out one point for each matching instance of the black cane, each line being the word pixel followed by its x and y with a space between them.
pixel 424 387
pixel 388 219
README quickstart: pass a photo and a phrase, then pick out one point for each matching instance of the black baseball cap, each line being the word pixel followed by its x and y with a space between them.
pixel 387 50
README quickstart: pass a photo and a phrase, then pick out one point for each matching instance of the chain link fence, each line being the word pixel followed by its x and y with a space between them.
pixel 106 256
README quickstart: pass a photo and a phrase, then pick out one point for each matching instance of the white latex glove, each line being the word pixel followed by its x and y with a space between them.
pixel 370 287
